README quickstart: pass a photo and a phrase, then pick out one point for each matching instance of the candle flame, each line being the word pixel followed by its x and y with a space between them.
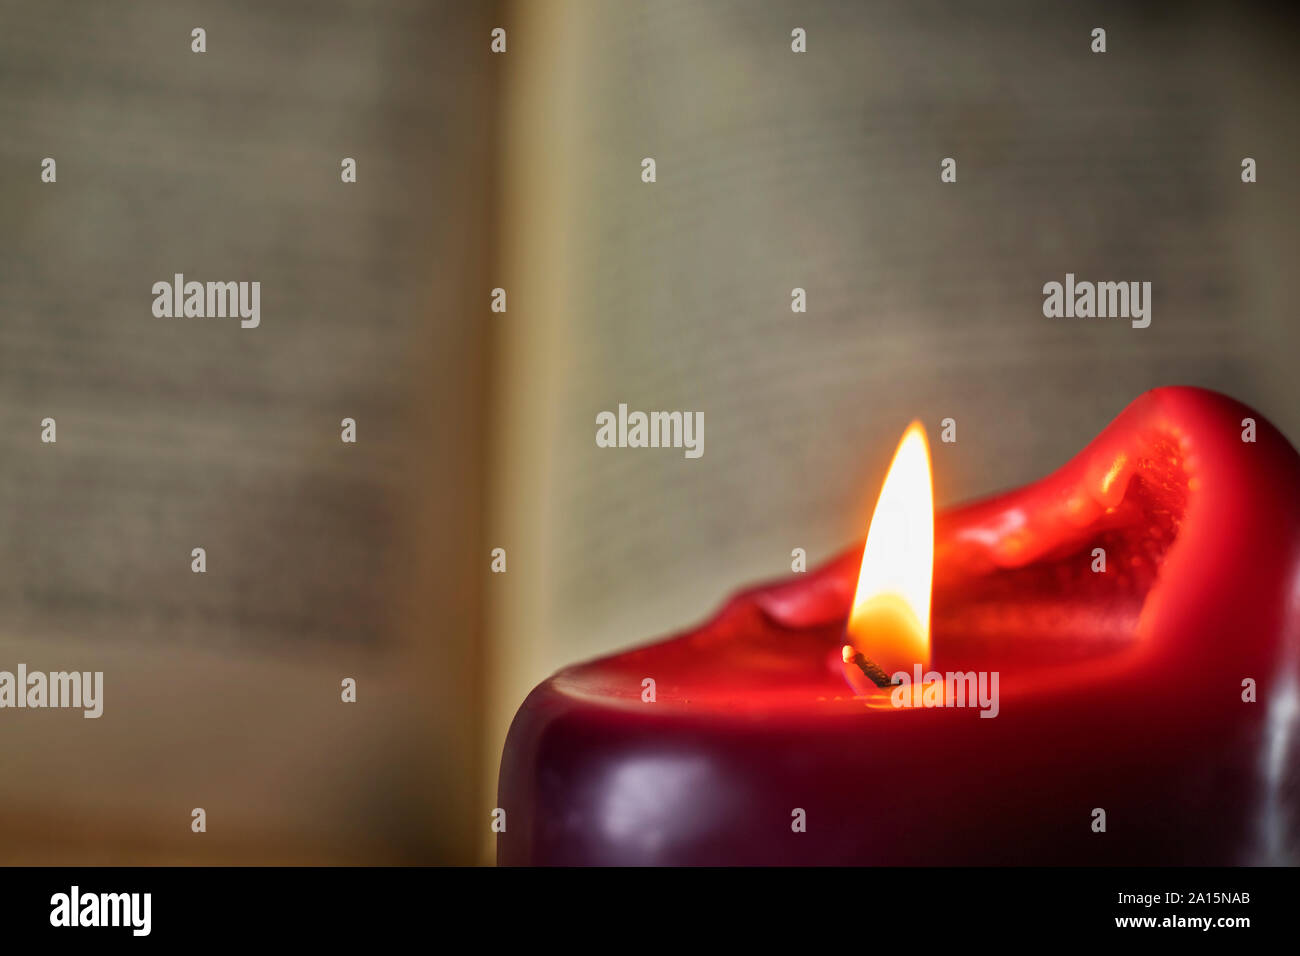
pixel 890 619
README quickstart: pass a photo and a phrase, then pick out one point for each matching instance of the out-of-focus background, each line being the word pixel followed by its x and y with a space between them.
pixel 521 170
pixel 325 560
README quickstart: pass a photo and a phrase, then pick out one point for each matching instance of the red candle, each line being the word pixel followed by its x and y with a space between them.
pixel 1125 690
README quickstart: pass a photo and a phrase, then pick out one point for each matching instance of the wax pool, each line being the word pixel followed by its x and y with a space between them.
pixel 1121 691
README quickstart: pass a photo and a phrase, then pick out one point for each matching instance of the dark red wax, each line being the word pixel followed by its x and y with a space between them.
pixel 1120 691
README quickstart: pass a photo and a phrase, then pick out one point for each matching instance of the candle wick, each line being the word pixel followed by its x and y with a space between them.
pixel 868 667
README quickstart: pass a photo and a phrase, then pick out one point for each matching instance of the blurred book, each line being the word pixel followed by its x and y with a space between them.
pixel 324 560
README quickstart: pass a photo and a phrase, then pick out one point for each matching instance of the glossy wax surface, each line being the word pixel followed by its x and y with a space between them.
pixel 1120 690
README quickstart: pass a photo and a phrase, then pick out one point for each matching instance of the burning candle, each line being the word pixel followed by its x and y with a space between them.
pixel 1104 672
